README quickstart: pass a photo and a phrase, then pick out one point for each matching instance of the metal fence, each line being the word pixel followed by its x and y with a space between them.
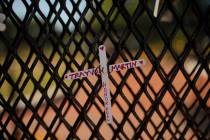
pixel 168 98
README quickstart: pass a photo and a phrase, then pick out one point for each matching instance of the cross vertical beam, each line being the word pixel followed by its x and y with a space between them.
pixel 105 84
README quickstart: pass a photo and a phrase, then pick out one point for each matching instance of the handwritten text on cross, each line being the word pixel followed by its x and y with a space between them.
pixel 99 70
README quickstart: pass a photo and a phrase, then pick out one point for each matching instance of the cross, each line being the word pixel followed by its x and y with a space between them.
pixel 103 70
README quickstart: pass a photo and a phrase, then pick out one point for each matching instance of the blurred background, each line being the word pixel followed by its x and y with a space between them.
pixel 44 39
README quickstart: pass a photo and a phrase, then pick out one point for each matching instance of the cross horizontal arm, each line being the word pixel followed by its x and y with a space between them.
pixel 99 70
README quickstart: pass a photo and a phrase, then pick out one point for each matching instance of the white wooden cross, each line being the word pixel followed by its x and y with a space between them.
pixel 103 71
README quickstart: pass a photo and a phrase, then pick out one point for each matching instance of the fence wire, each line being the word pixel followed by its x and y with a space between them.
pixel 168 98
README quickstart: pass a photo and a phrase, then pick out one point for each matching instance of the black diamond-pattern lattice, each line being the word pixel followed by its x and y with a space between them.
pixel 169 98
